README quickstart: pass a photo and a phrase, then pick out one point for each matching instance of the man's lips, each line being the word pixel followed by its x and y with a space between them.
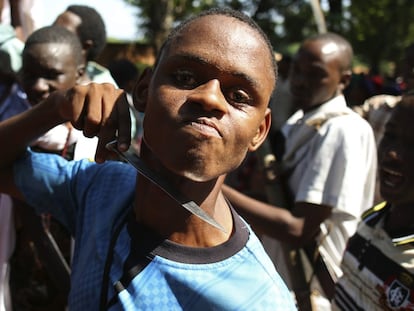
pixel 206 127
pixel 391 178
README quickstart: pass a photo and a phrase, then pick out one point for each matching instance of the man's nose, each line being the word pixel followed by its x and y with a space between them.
pixel 210 96
pixel 393 153
pixel 41 84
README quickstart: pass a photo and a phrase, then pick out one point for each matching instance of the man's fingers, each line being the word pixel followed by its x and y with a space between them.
pixel 116 126
pixel 99 110
pixel 69 105
pixel 124 123
pixel 93 112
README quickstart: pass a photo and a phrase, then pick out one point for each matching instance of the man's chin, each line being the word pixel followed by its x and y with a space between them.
pixel 197 176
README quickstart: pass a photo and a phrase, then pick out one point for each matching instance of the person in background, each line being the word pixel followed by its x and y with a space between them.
pixel 378 265
pixel 88 24
pixel 12 102
pixel 136 247
pixel 52 60
pixel 329 166
pixel 377 109
pixel 22 15
pixel 13 46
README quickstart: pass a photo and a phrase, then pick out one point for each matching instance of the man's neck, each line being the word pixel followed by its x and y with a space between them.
pixel 163 214
pixel 400 220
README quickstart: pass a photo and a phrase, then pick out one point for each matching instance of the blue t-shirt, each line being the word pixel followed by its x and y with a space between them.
pixel 143 270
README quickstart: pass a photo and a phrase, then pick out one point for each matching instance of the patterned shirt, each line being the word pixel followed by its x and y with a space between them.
pixel 124 265
pixel 378 270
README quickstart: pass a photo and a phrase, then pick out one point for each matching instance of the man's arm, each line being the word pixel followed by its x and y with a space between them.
pixel 296 227
pixel 97 109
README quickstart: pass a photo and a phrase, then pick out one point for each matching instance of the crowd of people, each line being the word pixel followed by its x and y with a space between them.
pixel 330 229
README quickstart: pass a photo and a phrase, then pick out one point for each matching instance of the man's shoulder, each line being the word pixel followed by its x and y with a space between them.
pixel 56 169
pixel 340 119
pixel 347 118
pixel 373 214
pixel 381 100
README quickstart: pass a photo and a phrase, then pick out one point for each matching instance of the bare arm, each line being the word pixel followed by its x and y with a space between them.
pixel 15 7
pixel 98 109
pixel 296 227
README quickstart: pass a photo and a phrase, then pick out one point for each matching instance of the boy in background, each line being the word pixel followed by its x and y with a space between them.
pixel 378 264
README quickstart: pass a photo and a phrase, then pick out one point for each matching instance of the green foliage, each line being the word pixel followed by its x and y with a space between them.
pixel 380 29
pixel 377 29
pixel 157 18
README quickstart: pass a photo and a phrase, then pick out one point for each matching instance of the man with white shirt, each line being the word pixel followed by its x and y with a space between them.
pixel 329 163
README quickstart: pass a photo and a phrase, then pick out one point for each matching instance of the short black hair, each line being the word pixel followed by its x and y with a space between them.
pixel 226 12
pixel 56 34
pixel 92 27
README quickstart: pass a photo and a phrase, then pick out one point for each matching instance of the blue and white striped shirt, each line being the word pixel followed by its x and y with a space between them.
pixel 146 271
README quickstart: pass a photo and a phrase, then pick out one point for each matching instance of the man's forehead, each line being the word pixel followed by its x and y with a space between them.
pixel 319 51
pixel 56 52
pixel 214 34
pixel 50 47
pixel 235 43
pixel 210 25
pixel 329 48
pixel 227 43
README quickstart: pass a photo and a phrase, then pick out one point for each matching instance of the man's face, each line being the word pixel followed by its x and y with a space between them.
pixel 315 74
pixel 395 157
pixel 208 97
pixel 48 67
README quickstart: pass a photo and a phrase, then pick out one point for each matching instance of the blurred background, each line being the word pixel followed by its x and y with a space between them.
pixel 378 29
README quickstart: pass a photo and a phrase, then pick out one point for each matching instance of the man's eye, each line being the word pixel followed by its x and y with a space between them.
pixel 239 97
pixel 51 75
pixel 185 79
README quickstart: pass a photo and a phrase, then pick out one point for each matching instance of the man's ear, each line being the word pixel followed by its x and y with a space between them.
pixel 140 92
pixel 345 79
pixel 261 132
pixel 80 72
pixel 87 45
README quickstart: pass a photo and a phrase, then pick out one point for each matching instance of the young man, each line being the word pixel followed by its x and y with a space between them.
pixel 329 161
pixel 89 26
pixel 136 248
pixel 378 263
pixel 52 60
pixel 378 109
